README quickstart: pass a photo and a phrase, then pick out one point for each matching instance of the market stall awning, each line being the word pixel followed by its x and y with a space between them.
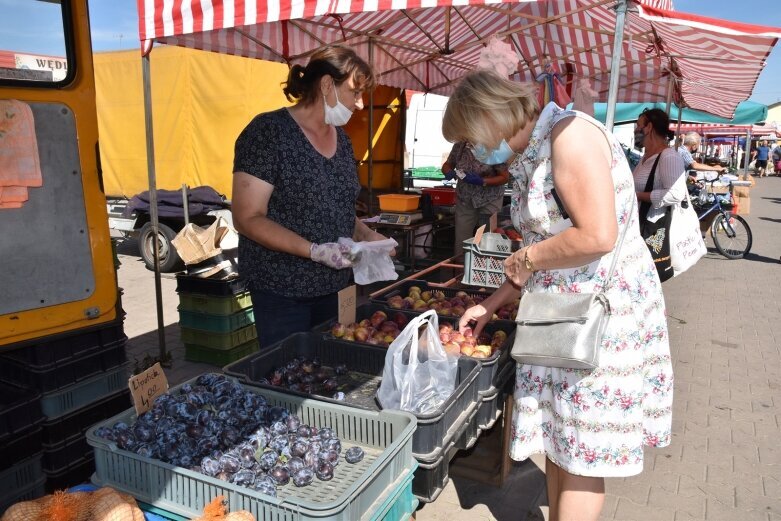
pixel 770 130
pixel 427 45
pixel 747 113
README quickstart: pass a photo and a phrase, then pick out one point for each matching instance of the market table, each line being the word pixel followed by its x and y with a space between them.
pixel 408 235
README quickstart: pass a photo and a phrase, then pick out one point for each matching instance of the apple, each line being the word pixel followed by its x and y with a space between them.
pixel 420 305
pixel 452 349
pixel 396 302
pixel 361 334
pixel 467 350
pixel 377 318
pixel 426 295
pixel 338 330
pixel 389 326
pixel 401 320
pixel 414 289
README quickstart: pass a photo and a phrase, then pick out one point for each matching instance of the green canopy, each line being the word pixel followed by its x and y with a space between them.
pixel 747 113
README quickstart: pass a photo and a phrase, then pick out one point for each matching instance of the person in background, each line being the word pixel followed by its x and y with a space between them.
pixel 776 155
pixel 295 185
pixel 652 131
pixel 763 154
pixel 573 195
pixel 691 142
pixel 478 195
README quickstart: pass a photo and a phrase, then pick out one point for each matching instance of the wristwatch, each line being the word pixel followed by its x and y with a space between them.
pixel 527 262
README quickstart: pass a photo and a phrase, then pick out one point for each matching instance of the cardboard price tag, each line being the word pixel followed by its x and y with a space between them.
pixel 347 301
pixel 479 236
pixel 146 386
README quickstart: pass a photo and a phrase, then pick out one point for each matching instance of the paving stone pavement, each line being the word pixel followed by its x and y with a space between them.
pixel 724 462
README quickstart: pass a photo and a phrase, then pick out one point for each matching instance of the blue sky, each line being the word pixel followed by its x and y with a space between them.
pixel 115 26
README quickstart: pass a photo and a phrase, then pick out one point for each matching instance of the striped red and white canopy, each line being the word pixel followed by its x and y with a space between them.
pixel 427 45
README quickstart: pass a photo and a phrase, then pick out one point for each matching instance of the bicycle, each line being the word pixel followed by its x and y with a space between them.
pixel 730 232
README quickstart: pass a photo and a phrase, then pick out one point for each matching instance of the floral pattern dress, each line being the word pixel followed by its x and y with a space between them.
pixel 593 422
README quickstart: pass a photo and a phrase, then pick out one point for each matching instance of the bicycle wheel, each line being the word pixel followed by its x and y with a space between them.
pixel 731 235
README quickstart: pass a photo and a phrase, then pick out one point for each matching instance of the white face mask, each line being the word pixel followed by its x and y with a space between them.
pixel 337 115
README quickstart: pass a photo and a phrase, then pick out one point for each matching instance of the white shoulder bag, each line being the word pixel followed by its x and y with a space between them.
pixel 686 244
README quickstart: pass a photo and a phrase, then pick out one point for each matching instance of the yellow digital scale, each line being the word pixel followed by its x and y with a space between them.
pixel 400 218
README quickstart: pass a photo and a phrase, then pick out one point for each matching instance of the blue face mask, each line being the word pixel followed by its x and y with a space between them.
pixel 496 156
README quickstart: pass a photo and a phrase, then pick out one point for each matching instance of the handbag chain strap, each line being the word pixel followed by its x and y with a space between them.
pixel 618 247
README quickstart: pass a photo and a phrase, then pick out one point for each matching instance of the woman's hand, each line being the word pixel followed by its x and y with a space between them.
pixel 475 319
pixel 515 268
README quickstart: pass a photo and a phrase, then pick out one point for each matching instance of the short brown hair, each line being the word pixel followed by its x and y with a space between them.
pixel 486 108
pixel 341 63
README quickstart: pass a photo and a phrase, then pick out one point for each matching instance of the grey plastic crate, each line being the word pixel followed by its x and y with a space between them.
pixel 23 474
pixel 31 491
pixel 385 436
pixel 435 429
pixel 492 401
pixel 79 395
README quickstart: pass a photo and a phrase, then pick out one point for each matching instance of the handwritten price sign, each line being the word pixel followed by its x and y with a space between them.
pixel 146 387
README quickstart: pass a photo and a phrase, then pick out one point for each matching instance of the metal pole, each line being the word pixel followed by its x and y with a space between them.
pixel 615 64
pixel 747 154
pixel 678 130
pixel 150 165
pixel 184 204
pixel 371 136
pixel 669 100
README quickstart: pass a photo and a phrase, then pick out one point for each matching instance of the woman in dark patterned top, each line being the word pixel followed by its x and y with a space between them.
pixel 295 185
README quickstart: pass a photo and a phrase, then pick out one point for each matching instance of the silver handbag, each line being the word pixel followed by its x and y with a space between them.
pixel 563 329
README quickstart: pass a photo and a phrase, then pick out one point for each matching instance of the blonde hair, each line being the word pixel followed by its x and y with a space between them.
pixel 486 108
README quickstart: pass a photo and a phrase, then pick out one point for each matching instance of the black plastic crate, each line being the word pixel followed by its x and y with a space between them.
pixel 20 445
pixel 75 473
pixel 48 350
pixel 65 452
pixel 434 430
pixel 215 287
pixel 61 373
pixel 26 493
pixel 403 288
pixel 492 401
pixel 489 367
pixel 20 407
pixel 79 421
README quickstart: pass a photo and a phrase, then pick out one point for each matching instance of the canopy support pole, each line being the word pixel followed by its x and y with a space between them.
pixel 615 64
pixel 669 97
pixel 370 149
pixel 150 166
pixel 678 130
pixel 747 154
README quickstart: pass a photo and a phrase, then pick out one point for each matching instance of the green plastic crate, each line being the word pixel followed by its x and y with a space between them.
pixel 79 395
pixel 402 503
pixel 355 492
pixel 217 323
pixel 429 172
pixel 212 305
pixel 222 341
pixel 219 357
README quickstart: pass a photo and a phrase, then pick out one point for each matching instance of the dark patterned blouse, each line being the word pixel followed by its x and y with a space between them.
pixel 313 196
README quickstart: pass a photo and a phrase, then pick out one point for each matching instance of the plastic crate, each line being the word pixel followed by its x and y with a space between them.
pixel 78 421
pixel 31 491
pixel 59 455
pixel 215 287
pixel 428 172
pixel 431 478
pixel 219 357
pixel 434 429
pixel 401 504
pixel 441 196
pixel 385 436
pixel 217 323
pixel 20 407
pixel 69 399
pixel 20 445
pixel 398 202
pixel 222 341
pixel 62 373
pixel 23 474
pixel 403 289
pixel 492 401
pixel 64 346
pixel 74 473
pixel 489 367
pixel 214 305
pixel 484 262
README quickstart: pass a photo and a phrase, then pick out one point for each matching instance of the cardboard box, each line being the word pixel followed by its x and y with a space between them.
pixel 743 204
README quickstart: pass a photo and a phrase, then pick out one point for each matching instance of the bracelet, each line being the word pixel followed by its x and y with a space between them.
pixel 527 262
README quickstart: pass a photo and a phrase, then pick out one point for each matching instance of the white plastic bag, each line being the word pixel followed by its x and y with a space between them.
pixel 371 260
pixel 418 375
pixel 686 244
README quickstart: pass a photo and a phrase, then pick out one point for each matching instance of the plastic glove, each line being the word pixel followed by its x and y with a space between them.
pixel 331 254
pixel 473 179
pixel 449 176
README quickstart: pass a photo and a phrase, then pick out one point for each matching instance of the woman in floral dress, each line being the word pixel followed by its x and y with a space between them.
pixel 573 196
